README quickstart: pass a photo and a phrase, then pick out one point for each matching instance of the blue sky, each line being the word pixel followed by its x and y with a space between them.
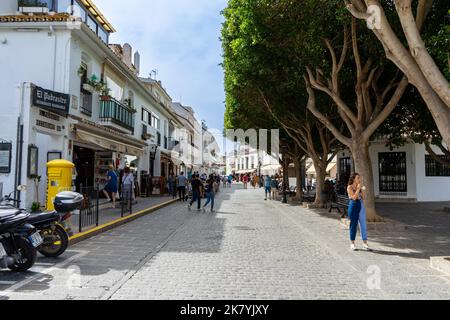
pixel 179 38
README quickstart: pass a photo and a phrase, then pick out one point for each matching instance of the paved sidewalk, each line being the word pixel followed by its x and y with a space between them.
pixel 249 249
pixel 108 214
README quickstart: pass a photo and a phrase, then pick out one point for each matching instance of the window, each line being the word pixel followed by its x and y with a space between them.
pixel 155 122
pixel 64 6
pixel 392 170
pixel 103 35
pixel 434 168
pixel 116 90
pixel 159 139
pixel 92 24
pixel 37 3
pixel 79 11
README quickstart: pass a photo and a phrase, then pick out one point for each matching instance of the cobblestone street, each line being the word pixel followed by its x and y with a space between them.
pixel 249 249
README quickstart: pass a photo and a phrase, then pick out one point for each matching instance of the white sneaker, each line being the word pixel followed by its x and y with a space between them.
pixel 366 247
pixel 189 207
pixel 353 247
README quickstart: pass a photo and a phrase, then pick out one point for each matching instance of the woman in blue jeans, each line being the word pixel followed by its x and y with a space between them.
pixel 357 211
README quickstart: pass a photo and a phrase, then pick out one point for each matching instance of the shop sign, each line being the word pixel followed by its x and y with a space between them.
pixel 55 102
pixel 5 157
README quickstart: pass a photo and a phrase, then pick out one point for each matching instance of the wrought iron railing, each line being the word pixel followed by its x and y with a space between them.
pixel 116 112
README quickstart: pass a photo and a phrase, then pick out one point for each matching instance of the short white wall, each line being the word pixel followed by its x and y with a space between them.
pixel 431 189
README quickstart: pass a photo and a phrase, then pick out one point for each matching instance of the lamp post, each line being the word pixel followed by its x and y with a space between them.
pixel 259 167
pixel 284 150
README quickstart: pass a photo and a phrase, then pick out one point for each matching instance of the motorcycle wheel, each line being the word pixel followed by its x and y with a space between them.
pixel 58 246
pixel 25 257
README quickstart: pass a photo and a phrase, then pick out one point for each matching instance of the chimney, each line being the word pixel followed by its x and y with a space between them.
pixel 127 52
pixel 137 62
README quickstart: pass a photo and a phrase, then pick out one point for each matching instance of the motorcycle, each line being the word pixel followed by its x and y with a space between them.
pixel 18 240
pixel 49 224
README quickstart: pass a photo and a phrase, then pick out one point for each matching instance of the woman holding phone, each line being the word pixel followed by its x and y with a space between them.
pixel 357 211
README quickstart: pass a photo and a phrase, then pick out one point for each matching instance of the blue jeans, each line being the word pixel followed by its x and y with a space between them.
pixel 354 208
pixel 196 197
pixel 363 222
pixel 357 215
pixel 210 198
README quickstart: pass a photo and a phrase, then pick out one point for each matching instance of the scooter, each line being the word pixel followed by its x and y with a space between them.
pixel 55 237
pixel 18 240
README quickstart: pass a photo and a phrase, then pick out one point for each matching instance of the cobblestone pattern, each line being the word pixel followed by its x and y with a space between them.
pixel 249 249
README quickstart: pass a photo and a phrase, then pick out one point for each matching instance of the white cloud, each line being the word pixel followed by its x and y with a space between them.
pixel 180 38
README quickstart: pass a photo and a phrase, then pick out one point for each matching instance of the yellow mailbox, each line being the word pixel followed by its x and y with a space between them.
pixel 59 174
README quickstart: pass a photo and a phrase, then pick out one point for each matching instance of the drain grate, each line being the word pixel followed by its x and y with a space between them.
pixel 244 228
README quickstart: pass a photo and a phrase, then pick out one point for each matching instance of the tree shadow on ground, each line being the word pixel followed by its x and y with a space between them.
pixel 411 230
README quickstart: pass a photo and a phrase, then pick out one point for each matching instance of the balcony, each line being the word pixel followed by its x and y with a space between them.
pixel 117 115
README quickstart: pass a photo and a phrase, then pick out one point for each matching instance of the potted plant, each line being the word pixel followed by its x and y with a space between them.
pixel 36 206
pixel 91 84
pixel 81 71
pixel 104 92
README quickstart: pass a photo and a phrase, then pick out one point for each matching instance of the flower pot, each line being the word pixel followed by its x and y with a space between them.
pixel 88 87
pixel 104 98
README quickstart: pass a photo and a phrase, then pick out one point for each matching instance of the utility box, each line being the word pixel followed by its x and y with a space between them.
pixel 59 174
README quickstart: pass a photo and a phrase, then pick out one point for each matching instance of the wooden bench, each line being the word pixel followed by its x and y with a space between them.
pixel 341 202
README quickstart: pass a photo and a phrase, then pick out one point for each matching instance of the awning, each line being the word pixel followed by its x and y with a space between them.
pixel 94 134
pixel 330 167
pixel 245 171
pixel 271 168
pixel 108 144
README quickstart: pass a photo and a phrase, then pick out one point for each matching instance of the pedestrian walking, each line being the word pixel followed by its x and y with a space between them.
pixel 181 183
pixel 274 188
pixel 230 180
pixel 210 193
pixel 171 184
pixel 112 186
pixel 127 185
pixel 245 179
pixel 357 211
pixel 267 187
pixel 196 192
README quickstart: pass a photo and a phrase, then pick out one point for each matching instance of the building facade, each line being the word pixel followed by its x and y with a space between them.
pixel 72 95
pixel 406 173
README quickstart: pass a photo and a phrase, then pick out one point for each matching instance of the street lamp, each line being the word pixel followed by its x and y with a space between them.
pixel 284 150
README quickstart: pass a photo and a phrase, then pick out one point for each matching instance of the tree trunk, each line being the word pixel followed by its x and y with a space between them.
pixel 439 111
pixel 363 166
pixel 320 167
pixel 298 175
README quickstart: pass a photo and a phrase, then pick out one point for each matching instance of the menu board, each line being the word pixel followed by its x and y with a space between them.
pixel 5 157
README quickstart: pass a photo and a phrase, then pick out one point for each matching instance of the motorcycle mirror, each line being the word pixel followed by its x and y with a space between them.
pixel 22 188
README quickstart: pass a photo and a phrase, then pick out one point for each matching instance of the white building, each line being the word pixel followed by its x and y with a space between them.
pixel 406 173
pixel 67 93
pixel 249 160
